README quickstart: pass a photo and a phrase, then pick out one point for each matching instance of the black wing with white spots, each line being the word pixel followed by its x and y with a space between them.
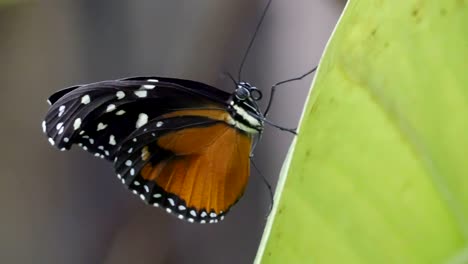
pixel 99 116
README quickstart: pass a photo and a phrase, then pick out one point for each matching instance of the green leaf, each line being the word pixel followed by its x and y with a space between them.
pixel 379 172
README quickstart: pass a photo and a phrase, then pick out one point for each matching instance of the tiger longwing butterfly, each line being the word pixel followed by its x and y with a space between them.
pixel 178 144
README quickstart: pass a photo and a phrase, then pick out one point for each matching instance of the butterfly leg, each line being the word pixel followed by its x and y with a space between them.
pixel 290 130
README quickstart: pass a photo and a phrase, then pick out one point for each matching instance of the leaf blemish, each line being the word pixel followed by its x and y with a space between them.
pixel 443 11
pixel 416 14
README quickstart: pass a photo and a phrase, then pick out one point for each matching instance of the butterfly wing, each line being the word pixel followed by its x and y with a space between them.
pixel 172 141
pixel 192 164
pixel 99 116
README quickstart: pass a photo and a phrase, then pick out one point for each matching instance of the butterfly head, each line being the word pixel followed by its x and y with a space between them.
pixel 245 91
pixel 245 110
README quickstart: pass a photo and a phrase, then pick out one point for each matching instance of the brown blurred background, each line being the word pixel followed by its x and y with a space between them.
pixel 68 207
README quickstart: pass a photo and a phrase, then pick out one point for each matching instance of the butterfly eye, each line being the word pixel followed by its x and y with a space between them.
pixel 242 93
pixel 256 94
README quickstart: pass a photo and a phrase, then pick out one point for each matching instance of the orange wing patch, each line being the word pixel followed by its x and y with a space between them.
pixel 210 168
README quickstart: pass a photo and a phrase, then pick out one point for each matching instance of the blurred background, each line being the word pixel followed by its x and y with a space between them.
pixel 69 207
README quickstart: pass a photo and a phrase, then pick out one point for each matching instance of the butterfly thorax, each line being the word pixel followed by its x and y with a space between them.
pixel 244 110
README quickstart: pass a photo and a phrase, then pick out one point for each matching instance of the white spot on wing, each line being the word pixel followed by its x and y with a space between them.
pixel 61 110
pixel 157 195
pixel 120 112
pixel 159 123
pixel 66 140
pixel 51 141
pixel 152 80
pixel 77 123
pixel 101 126
pixel 120 95
pixel 132 172
pixel 171 201
pixel 141 94
pixel 148 86
pixel 142 120
pixel 44 126
pixel 112 140
pixel 110 108
pixel 60 130
pixel 182 208
pixel 128 163
pixel 85 99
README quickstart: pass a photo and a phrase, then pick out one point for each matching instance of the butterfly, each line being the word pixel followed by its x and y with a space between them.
pixel 178 144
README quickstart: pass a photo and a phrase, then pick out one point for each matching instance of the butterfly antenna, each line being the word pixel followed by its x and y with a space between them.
pixel 230 77
pixel 273 88
pixel 253 39
pixel 267 185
